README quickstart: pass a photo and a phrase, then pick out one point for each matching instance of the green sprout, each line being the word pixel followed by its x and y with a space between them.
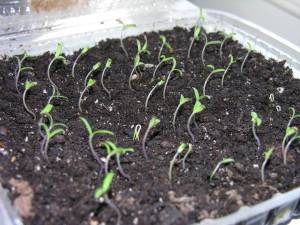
pixel 190 149
pixel 137 59
pixel 256 121
pixel 137 132
pixel 198 107
pixel 153 123
pixel 164 59
pixel 267 155
pixel 124 28
pixel 91 134
pixel 291 134
pixel 20 69
pixel 55 94
pixel 103 190
pixel 249 50
pixel 95 68
pixel 225 161
pixel 90 84
pixel 57 57
pixel 159 84
pixel 48 132
pixel 173 69
pixel 197 32
pixel 208 43
pixel 226 37
pixel 214 71
pixel 182 101
pixel 107 66
pixel 83 52
pixel 113 150
pixel 231 61
pixel 164 42
pixel 28 85
pixel 180 150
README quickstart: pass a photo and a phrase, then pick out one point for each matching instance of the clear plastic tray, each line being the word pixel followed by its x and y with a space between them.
pixel 38 33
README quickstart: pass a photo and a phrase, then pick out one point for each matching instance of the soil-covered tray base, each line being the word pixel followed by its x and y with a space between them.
pixel 61 191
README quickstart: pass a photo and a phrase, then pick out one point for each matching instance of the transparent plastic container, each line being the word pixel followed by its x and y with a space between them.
pixel 38 33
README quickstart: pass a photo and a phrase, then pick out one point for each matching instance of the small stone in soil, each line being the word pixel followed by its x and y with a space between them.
pixel 3 130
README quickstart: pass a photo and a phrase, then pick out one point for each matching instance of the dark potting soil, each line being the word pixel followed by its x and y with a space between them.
pixel 63 188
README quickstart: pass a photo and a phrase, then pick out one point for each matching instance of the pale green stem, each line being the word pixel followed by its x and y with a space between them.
pixel 26 107
pixel 172 165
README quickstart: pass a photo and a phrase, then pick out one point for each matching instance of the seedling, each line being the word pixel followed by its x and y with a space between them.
pixel 249 50
pixel 267 155
pixel 137 132
pixel 114 150
pixel 164 42
pixel 50 131
pixel 164 59
pixel 137 59
pixel 107 66
pixel 208 43
pixel 55 95
pixel 256 122
pixel 57 57
pixel 293 116
pixel 291 132
pixel 197 33
pixel 182 101
pixel 92 133
pixel 190 149
pixel 173 69
pixel 224 162
pixel 213 71
pixel 83 52
pixel 90 84
pixel 180 149
pixel 198 107
pixel 226 37
pixel 159 84
pixel 95 68
pixel 231 61
pixel 20 69
pixel 103 190
pixel 124 28
pixel 28 85
pixel 153 123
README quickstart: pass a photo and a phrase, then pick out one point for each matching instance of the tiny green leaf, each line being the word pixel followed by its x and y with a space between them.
pixel 197 32
pixel 91 83
pixel 105 185
pixel 137 60
pixel 56 132
pixel 213 42
pixel 26 68
pixel 103 132
pixel 87 126
pixel 138 44
pixel 154 122
pixel 96 66
pixel 85 50
pixel 198 107
pixel 108 63
pixel 58 50
pixel 290 131
pixel 231 59
pixel 183 100
pixel 268 153
pixel 130 25
pixel 163 39
pixel 161 82
pixel 255 119
pixel 47 109
pixel 218 70
pixel 196 93
pixel 181 147
pixel 29 84
pixel 226 161
pixel 211 67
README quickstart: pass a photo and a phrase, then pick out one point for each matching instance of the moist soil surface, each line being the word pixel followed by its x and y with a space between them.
pixel 63 187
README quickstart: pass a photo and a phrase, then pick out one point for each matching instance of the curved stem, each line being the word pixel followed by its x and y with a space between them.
pixel 283 145
pixel 42 149
pixel 87 77
pixel 122 44
pixel 144 142
pixel 107 162
pixel 221 48
pixel 189 127
pixel 242 67
pixel 165 87
pixel 175 115
pixel 262 171
pixel 149 95
pixel 256 137
pixel 215 171
pixel 130 78
pixel 202 54
pixel 49 77
pixel 18 74
pixel 160 51
pixel 287 148
pixel 75 63
pixel 224 74
pixel 156 68
pixel 190 48
pixel 120 168
pixel 102 83
pixel 186 155
pixel 80 98
pixel 113 207
pixel 96 157
pixel 205 83
pixel 26 107
pixel 171 166
pixel 53 94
